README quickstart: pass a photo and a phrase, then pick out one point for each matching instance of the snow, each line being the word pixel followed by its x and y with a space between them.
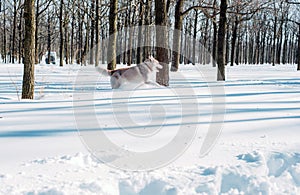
pixel 257 152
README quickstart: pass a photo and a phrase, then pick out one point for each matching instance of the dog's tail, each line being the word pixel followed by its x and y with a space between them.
pixel 103 71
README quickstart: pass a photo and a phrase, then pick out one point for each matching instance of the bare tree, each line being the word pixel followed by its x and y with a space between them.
pixel 291 2
pixel 41 7
pixel 177 35
pixel 222 41
pixel 29 50
pixel 61 33
pixel 112 43
pixel 97 31
pixel 162 76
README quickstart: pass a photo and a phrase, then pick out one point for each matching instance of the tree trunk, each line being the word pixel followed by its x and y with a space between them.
pixel 126 35
pixel 222 41
pixel 206 47
pixel 162 77
pixel 66 44
pixel 49 39
pixel 274 40
pixel 257 50
pixel 13 52
pixel 285 44
pixel 298 53
pixel 215 34
pixel 97 29
pixel 92 60
pixel 233 41
pixel 140 35
pixel 246 46
pixel 130 40
pixel 279 42
pixel 177 36
pixel 80 37
pixel 238 50
pixel 264 34
pixel 37 31
pixel 61 34
pixel 119 42
pixel 20 37
pixel 147 48
pixel 112 43
pixel 227 47
pixel 29 50
pixel 4 33
pixel 72 38
pixel 103 46
pixel 195 38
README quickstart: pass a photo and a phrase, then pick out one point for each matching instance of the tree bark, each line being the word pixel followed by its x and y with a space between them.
pixel 233 41
pixel 112 43
pixel 92 60
pixel 274 38
pixel 66 44
pixel 13 52
pixel 130 40
pixel 162 77
pixel 195 38
pixel 4 33
pixel 20 37
pixel 97 29
pixel 140 35
pixel 285 44
pixel 37 31
pixel 147 39
pixel 29 50
pixel 49 39
pixel 298 52
pixel 177 36
pixel 215 35
pixel 61 34
pixel 222 41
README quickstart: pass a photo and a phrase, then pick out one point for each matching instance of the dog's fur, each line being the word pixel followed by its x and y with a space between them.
pixel 140 74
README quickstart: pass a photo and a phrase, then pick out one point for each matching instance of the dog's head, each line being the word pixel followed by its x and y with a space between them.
pixel 154 62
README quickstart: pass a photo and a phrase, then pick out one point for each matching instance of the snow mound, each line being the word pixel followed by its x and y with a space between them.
pixel 254 157
pixel 279 163
pixel 78 159
pixel 52 191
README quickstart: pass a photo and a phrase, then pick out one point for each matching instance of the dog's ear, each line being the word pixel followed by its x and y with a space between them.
pixel 151 58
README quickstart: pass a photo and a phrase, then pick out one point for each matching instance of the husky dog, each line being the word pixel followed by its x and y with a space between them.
pixel 136 75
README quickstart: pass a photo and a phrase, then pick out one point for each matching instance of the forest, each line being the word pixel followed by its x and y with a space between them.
pixel 218 32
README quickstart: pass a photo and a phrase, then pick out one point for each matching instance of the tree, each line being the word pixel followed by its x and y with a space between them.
pixel 162 76
pixel 29 50
pixel 221 61
pixel 298 24
pixel 140 34
pixel 112 42
pixel 4 32
pixel 41 7
pixel 243 11
pixel 97 31
pixel 61 33
pixel 177 35
pixel 298 50
pixel 179 15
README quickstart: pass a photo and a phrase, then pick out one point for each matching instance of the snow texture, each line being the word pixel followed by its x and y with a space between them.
pixel 257 153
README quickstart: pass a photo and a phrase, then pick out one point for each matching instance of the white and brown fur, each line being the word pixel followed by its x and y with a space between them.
pixel 136 75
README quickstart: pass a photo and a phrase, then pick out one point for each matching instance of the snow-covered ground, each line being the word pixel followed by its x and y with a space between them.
pixel 258 151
